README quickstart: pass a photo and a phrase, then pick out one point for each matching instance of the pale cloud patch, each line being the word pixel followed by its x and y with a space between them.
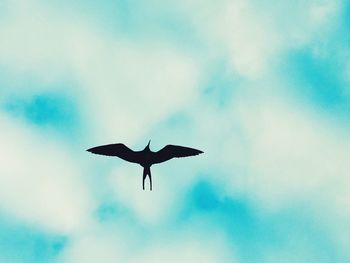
pixel 150 207
pixel 277 154
pixel 252 35
pixel 282 156
pixel 119 244
pixel 321 12
pixel 39 181
pixel 94 248
pixel 195 250
pixel 248 37
pixel 156 81
pixel 294 155
pixel 110 71
pixel 291 159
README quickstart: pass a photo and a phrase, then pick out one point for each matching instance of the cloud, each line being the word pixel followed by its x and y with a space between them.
pixel 94 248
pixel 274 149
pixel 292 150
pixel 39 181
pixel 259 145
pixel 109 71
pixel 280 155
pixel 124 244
pixel 187 251
pixel 252 35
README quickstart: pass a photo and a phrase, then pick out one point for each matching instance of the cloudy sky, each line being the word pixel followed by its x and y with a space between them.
pixel 262 87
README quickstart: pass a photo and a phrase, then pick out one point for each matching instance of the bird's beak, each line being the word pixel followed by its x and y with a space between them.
pixel 149 143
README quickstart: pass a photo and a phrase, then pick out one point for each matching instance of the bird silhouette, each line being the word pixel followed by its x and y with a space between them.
pixel 146 158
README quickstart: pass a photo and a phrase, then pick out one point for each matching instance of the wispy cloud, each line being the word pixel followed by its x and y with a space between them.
pixel 261 87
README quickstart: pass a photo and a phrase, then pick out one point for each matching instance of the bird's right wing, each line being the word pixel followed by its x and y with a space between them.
pixel 173 151
pixel 117 149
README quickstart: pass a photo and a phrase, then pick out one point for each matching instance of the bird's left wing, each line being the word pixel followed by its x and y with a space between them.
pixel 117 149
pixel 173 151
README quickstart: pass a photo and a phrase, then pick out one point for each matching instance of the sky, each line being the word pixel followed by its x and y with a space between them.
pixel 262 87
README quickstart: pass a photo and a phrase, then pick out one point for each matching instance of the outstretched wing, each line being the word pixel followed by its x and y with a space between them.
pixel 117 149
pixel 173 151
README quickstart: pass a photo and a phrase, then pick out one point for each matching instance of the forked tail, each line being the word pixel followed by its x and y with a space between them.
pixel 146 171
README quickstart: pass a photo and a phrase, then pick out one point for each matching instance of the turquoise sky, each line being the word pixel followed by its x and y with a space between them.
pixel 263 88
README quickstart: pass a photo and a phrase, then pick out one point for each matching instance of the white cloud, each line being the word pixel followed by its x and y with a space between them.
pixel 109 71
pixel 162 203
pixel 248 37
pixel 182 250
pixel 279 154
pixel 39 181
pixel 119 244
pixel 95 248
pixel 158 82
pixel 294 155
pixel 253 34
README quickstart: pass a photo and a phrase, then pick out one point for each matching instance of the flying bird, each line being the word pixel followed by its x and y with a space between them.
pixel 146 158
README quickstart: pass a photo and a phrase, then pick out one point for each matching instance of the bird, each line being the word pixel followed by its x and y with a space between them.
pixel 146 158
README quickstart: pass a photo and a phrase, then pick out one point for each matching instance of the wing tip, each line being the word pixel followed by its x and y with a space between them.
pixel 91 150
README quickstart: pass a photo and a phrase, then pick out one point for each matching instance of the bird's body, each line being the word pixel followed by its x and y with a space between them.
pixel 146 158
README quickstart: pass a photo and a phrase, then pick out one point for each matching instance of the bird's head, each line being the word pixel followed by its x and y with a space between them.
pixel 147 146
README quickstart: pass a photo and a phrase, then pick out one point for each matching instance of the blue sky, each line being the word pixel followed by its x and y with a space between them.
pixel 261 87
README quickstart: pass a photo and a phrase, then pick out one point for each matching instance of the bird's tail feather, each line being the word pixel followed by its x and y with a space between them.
pixel 146 171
